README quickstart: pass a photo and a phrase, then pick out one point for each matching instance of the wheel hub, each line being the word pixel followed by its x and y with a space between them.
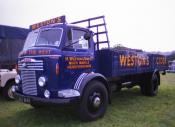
pixel 96 102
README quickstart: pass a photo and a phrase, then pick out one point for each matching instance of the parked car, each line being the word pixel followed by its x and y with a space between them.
pixel 7 80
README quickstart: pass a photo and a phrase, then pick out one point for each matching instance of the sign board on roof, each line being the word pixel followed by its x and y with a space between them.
pixel 60 19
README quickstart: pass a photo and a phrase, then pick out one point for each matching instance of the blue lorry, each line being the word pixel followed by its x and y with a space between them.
pixel 64 63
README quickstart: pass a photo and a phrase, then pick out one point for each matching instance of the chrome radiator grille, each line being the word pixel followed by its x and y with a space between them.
pixel 32 65
pixel 29 86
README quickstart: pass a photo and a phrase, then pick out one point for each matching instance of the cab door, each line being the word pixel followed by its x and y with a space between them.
pixel 78 57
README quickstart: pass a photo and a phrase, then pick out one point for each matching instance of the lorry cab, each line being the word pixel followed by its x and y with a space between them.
pixel 57 55
pixel 57 63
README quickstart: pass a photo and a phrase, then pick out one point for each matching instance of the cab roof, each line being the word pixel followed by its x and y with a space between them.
pixel 62 25
pixel 54 22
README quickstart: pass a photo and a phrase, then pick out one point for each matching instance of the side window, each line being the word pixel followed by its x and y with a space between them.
pixel 76 40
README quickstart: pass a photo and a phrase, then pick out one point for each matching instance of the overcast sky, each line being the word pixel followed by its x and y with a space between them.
pixel 142 24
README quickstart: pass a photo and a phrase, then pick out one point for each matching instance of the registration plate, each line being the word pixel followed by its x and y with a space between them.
pixel 24 99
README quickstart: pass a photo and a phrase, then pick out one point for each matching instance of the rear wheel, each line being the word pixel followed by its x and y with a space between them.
pixel 150 85
pixel 7 91
pixel 94 101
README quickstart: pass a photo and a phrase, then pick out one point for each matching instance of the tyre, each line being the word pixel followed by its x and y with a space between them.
pixel 7 91
pixel 94 101
pixel 150 86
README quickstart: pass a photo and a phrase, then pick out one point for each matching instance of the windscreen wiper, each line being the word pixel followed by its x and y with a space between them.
pixel 73 43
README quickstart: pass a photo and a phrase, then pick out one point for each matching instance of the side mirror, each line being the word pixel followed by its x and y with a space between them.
pixel 87 36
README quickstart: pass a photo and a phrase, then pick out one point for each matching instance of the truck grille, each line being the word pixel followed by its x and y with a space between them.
pixel 33 65
pixel 29 86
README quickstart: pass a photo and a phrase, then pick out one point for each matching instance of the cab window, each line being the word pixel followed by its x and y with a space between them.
pixel 76 39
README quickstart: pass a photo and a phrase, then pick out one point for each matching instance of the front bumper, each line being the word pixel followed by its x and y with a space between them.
pixel 45 101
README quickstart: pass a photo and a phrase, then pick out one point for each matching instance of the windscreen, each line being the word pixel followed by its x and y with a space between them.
pixel 44 37
pixel 31 39
pixel 49 37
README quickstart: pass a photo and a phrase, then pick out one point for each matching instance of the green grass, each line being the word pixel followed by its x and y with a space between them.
pixel 128 109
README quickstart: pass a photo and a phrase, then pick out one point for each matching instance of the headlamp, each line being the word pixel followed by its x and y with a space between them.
pixel 42 81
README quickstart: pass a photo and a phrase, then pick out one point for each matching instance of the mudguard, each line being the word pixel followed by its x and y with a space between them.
pixel 85 78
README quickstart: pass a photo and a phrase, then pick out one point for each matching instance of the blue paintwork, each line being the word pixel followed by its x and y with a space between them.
pixel 108 63
pixel 105 62
pixel 67 77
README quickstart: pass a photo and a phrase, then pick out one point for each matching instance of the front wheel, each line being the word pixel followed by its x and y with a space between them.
pixel 93 102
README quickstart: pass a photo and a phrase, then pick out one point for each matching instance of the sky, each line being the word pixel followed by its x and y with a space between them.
pixel 141 24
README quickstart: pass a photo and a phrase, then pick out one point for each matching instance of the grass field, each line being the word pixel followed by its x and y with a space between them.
pixel 128 109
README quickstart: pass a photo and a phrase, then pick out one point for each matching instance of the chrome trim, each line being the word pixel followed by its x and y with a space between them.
pixel 41 56
pixel 29 86
pixel 68 93
pixel 31 65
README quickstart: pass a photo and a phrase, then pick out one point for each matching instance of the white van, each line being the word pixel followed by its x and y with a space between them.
pixel 7 79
